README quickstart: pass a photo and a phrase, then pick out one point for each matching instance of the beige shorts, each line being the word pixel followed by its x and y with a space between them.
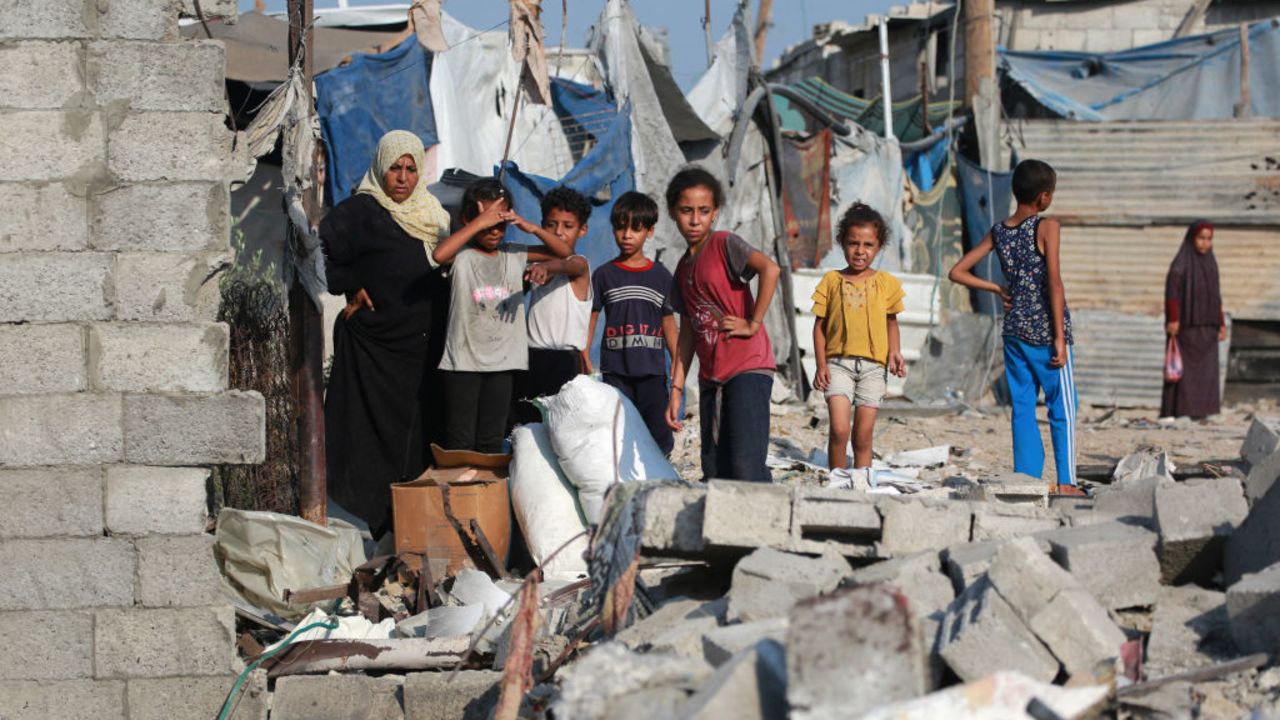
pixel 862 381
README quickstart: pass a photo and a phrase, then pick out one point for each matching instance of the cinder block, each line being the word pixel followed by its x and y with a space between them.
pixel 40 75
pixel 227 427
pixel 912 526
pixel 673 519
pixel 42 218
pixel 40 359
pixel 139 19
pixel 1261 440
pixel 44 645
pixel 747 514
pixel 75 429
pixel 1256 543
pixel 155 357
pixel 178 571
pixel 82 281
pixel 852 652
pixel 170 146
pixel 46 145
pixel 179 77
pixel 1026 578
pixel 1115 562
pixel 1262 476
pixel 675 620
pixel 337 697
pixel 211 9
pixel 768 582
pixel 170 287
pixel 1253 607
pixel 66 573
pixel 196 698
pixel 752 684
pixel 722 643
pixel 1189 629
pixel 1077 631
pixel 848 521
pixel 180 217
pixel 56 19
pixel 1134 501
pixel 1107 40
pixel 66 700
pixel 1137 17
pixel 49 502
pixel 966 562
pixel 163 642
pixel 981 635
pixel 1000 521
pixel 1195 517
pixel 160 500
pixel 471 695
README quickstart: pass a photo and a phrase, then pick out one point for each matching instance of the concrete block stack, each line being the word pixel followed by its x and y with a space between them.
pixel 114 159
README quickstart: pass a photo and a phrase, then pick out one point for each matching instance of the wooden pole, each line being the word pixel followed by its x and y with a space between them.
pixel 979 59
pixel 706 30
pixel 306 324
pixel 762 29
pixel 1244 108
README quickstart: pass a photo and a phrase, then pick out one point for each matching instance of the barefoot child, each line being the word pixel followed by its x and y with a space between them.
pixel 855 336
pixel 486 342
pixel 724 324
pixel 559 306
pixel 639 329
pixel 1037 324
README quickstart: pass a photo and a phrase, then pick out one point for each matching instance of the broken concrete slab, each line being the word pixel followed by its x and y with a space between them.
pixel 1253 610
pixel 768 582
pixel 468 695
pixel 746 514
pixel 1026 578
pixel 1133 502
pixel 847 520
pixel 1189 630
pixel 1261 477
pixel 851 652
pixel 752 685
pixel 912 526
pixel 1078 631
pixel 1261 440
pixel 673 518
pixel 918 576
pixel 1114 561
pixel 965 562
pixel 1001 521
pixel 1194 519
pixel 1000 695
pixel 609 671
pixel 1254 545
pixel 647 703
pixel 674 615
pixel 981 635
pixel 338 697
pixel 721 644
pixel 1014 488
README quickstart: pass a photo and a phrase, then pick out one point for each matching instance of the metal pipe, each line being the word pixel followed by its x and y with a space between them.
pixel 886 94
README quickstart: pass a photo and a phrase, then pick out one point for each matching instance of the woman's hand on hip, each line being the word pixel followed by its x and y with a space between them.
pixel 1171 328
pixel 355 301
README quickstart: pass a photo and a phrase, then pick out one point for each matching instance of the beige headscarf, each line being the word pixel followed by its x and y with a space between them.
pixel 421 214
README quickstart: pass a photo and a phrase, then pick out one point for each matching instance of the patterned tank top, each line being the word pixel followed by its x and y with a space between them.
pixel 1026 275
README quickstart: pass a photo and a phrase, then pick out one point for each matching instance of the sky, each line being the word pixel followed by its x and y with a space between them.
pixel 793 21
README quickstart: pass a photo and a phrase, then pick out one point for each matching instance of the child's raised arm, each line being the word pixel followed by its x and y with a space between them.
pixel 962 273
pixel 449 248
pixel 1050 231
pixel 556 248
pixel 769 272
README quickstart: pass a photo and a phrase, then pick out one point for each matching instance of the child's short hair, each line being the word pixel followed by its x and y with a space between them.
pixel 860 214
pixel 634 211
pixel 483 190
pixel 692 176
pixel 1031 178
pixel 567 200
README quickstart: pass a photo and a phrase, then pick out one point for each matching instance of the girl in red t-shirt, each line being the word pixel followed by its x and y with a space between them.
pixel 724 324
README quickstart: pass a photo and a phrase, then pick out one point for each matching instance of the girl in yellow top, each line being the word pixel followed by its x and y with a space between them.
pixel 855 336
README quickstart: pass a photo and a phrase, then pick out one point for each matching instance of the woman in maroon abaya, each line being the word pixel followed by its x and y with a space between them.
pixel 1193 315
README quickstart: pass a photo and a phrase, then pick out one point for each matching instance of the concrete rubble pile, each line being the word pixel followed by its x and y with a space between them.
pixel 1153 597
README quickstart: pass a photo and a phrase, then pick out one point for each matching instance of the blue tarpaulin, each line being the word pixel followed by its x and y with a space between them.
pixel 584 111
pixel 607 167
pixel 1191 78
pixel 360 102
pixel 986 196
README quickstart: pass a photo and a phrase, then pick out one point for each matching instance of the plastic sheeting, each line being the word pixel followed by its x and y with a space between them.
pixel 908 115
pixel 868 169
pixel 987 197
pixel 360 102
pixel 1192 78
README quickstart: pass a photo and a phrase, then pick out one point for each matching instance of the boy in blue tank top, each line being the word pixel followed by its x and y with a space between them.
pixel 1037 324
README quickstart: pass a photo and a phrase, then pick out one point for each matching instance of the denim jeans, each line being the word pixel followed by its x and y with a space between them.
pixel 734 417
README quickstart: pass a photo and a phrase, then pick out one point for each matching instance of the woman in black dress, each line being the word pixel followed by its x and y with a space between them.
pixel 1193 315
pixel 377 248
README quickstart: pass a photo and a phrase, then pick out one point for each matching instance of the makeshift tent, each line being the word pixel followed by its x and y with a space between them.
pixel 584 112
pixel 360 102
pixel 908 115
pixel 868 168
pixel 1191 78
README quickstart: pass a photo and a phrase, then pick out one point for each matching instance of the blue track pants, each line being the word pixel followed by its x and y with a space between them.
pixel 1027 369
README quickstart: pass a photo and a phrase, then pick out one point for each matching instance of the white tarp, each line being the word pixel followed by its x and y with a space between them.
pixel 867 168
pixel 472 88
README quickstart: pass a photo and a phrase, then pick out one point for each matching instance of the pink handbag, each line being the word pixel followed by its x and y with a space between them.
pixel 1172 361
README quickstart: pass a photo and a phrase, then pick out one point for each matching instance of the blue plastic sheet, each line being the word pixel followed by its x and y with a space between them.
pixel 986 196
pixel 585 112
pixel 1191 78
pixel 926 166
pixel 359 102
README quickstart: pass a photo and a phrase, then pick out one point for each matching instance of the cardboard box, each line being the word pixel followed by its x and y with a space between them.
pixel 477 485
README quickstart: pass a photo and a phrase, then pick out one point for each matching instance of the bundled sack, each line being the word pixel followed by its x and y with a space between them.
pixel 588 422
pixel 546 505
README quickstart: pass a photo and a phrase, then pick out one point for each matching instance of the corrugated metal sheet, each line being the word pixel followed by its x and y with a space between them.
pixel 922 311
pixel 1159 172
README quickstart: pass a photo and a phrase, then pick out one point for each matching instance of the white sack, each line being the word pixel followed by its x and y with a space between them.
pixel 581 423
pixel 546 504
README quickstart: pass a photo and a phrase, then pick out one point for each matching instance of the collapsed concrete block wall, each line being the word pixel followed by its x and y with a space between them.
pixel 114 215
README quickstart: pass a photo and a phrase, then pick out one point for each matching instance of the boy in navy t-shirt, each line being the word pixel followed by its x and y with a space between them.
pixel 639 328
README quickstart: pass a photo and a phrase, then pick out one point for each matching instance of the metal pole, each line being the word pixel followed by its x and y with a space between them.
pixel 706 30
pixel 886 94
pixel 306 324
